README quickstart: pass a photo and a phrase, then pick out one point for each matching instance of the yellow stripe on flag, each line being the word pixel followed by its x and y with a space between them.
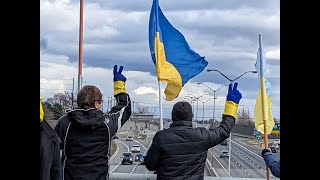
pixel 258 116
pixel 167 72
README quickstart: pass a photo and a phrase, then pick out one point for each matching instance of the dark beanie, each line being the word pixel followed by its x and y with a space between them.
pixel 181 111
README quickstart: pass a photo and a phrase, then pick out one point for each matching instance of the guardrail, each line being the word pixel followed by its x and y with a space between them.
pixel 131 176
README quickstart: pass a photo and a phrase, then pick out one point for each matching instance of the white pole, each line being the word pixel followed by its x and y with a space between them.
pixel 229 153
pixel 160 105
pixel 195 122
pixel 214 111
pixel 230 149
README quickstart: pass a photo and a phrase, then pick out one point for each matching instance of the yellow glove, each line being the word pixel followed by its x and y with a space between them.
pixel 233 99
pixel 119 85
pixel 230 108
pixel 41 111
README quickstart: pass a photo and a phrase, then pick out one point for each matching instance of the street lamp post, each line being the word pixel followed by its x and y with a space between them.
pixel 248 110
pixel 231 80
pixel 197 99
pixel 214 107
pixel 214 97
pixel 191 102
pixel 203 102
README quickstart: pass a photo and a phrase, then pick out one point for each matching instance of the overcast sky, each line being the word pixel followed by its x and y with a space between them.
pixel 116 32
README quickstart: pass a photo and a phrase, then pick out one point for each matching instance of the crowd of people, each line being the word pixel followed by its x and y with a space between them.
pixel 78 148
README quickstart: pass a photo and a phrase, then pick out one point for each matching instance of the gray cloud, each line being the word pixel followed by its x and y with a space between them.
pixel 116 32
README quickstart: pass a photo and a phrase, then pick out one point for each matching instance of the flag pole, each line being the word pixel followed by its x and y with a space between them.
pixel 264 113
pixel 160 105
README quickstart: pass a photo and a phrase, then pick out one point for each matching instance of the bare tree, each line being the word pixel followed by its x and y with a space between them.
pixel 243 118
pixel 47 109
pixel 64 99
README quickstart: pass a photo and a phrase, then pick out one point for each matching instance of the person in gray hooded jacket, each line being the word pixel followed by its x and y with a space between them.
pixel 86 132
pixel 180 151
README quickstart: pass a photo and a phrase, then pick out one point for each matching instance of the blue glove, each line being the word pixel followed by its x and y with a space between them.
pixel 233 94
pixel 117 76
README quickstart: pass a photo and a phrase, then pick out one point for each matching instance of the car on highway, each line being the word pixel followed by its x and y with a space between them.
pixel 127 158
pixel 224 143
pixel 142 162
pixel 115 137
pixel 135 148
pixel 273 149
pixel 276 141
pixel 129 138
pixel 138 157
pixel 224 153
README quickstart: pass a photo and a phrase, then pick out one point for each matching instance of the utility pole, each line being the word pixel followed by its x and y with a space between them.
pixel 80 47
pixel 102 105
pixel 72 93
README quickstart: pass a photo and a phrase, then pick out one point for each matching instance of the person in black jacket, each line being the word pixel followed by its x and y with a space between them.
pixel 180 151
pixel 87 132
pixel 50 162
pixel 271 161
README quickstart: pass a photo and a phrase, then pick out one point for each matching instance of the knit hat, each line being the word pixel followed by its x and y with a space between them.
pixel 182 111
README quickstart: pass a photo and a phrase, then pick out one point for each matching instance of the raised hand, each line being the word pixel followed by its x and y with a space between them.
pixel 234 94
pixel 117 76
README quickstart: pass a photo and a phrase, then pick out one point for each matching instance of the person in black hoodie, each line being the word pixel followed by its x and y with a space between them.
pixel 180 151
pixel 50 162
pixel 86 132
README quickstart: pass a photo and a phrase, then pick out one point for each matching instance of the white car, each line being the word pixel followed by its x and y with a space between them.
pixel 276 141
pixel 135 148
pixel 129 138
pixel 224 153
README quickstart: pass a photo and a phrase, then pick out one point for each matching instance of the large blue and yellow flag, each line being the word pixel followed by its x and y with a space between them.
pixel 175 61
pixel 263 107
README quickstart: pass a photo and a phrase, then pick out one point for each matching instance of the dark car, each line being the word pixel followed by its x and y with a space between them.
pixel 115 137
pixel 138 157
pixel 224 143
pixel 127 158
pixel 273 149
pixel 142 162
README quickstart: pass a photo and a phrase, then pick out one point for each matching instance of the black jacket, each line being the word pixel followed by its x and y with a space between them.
pixel 86 139
pixel 50 162
pixel 180 152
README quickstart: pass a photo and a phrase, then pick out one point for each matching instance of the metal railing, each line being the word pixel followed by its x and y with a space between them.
pixel 131 176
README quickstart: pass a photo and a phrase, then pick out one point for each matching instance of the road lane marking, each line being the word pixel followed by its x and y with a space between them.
pixel 115 153
pixel 115 167
pixel 246 148
pixel 218 161
pixel 120 161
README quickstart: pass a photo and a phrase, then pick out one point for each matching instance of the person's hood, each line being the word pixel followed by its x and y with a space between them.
pixel 90 118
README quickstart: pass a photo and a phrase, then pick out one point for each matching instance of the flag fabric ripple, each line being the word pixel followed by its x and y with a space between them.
pixel 175 61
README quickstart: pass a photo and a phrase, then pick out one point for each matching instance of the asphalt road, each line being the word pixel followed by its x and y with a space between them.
pixel 136 167
pixel 245 161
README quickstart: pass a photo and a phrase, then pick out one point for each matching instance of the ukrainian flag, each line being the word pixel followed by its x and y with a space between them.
pixel 175 61
pixel 263 107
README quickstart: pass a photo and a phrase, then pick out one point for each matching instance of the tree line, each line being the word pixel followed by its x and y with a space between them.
pixel 56 106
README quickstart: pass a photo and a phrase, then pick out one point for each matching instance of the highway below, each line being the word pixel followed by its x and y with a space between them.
pixel 245 160
pixel 136 167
